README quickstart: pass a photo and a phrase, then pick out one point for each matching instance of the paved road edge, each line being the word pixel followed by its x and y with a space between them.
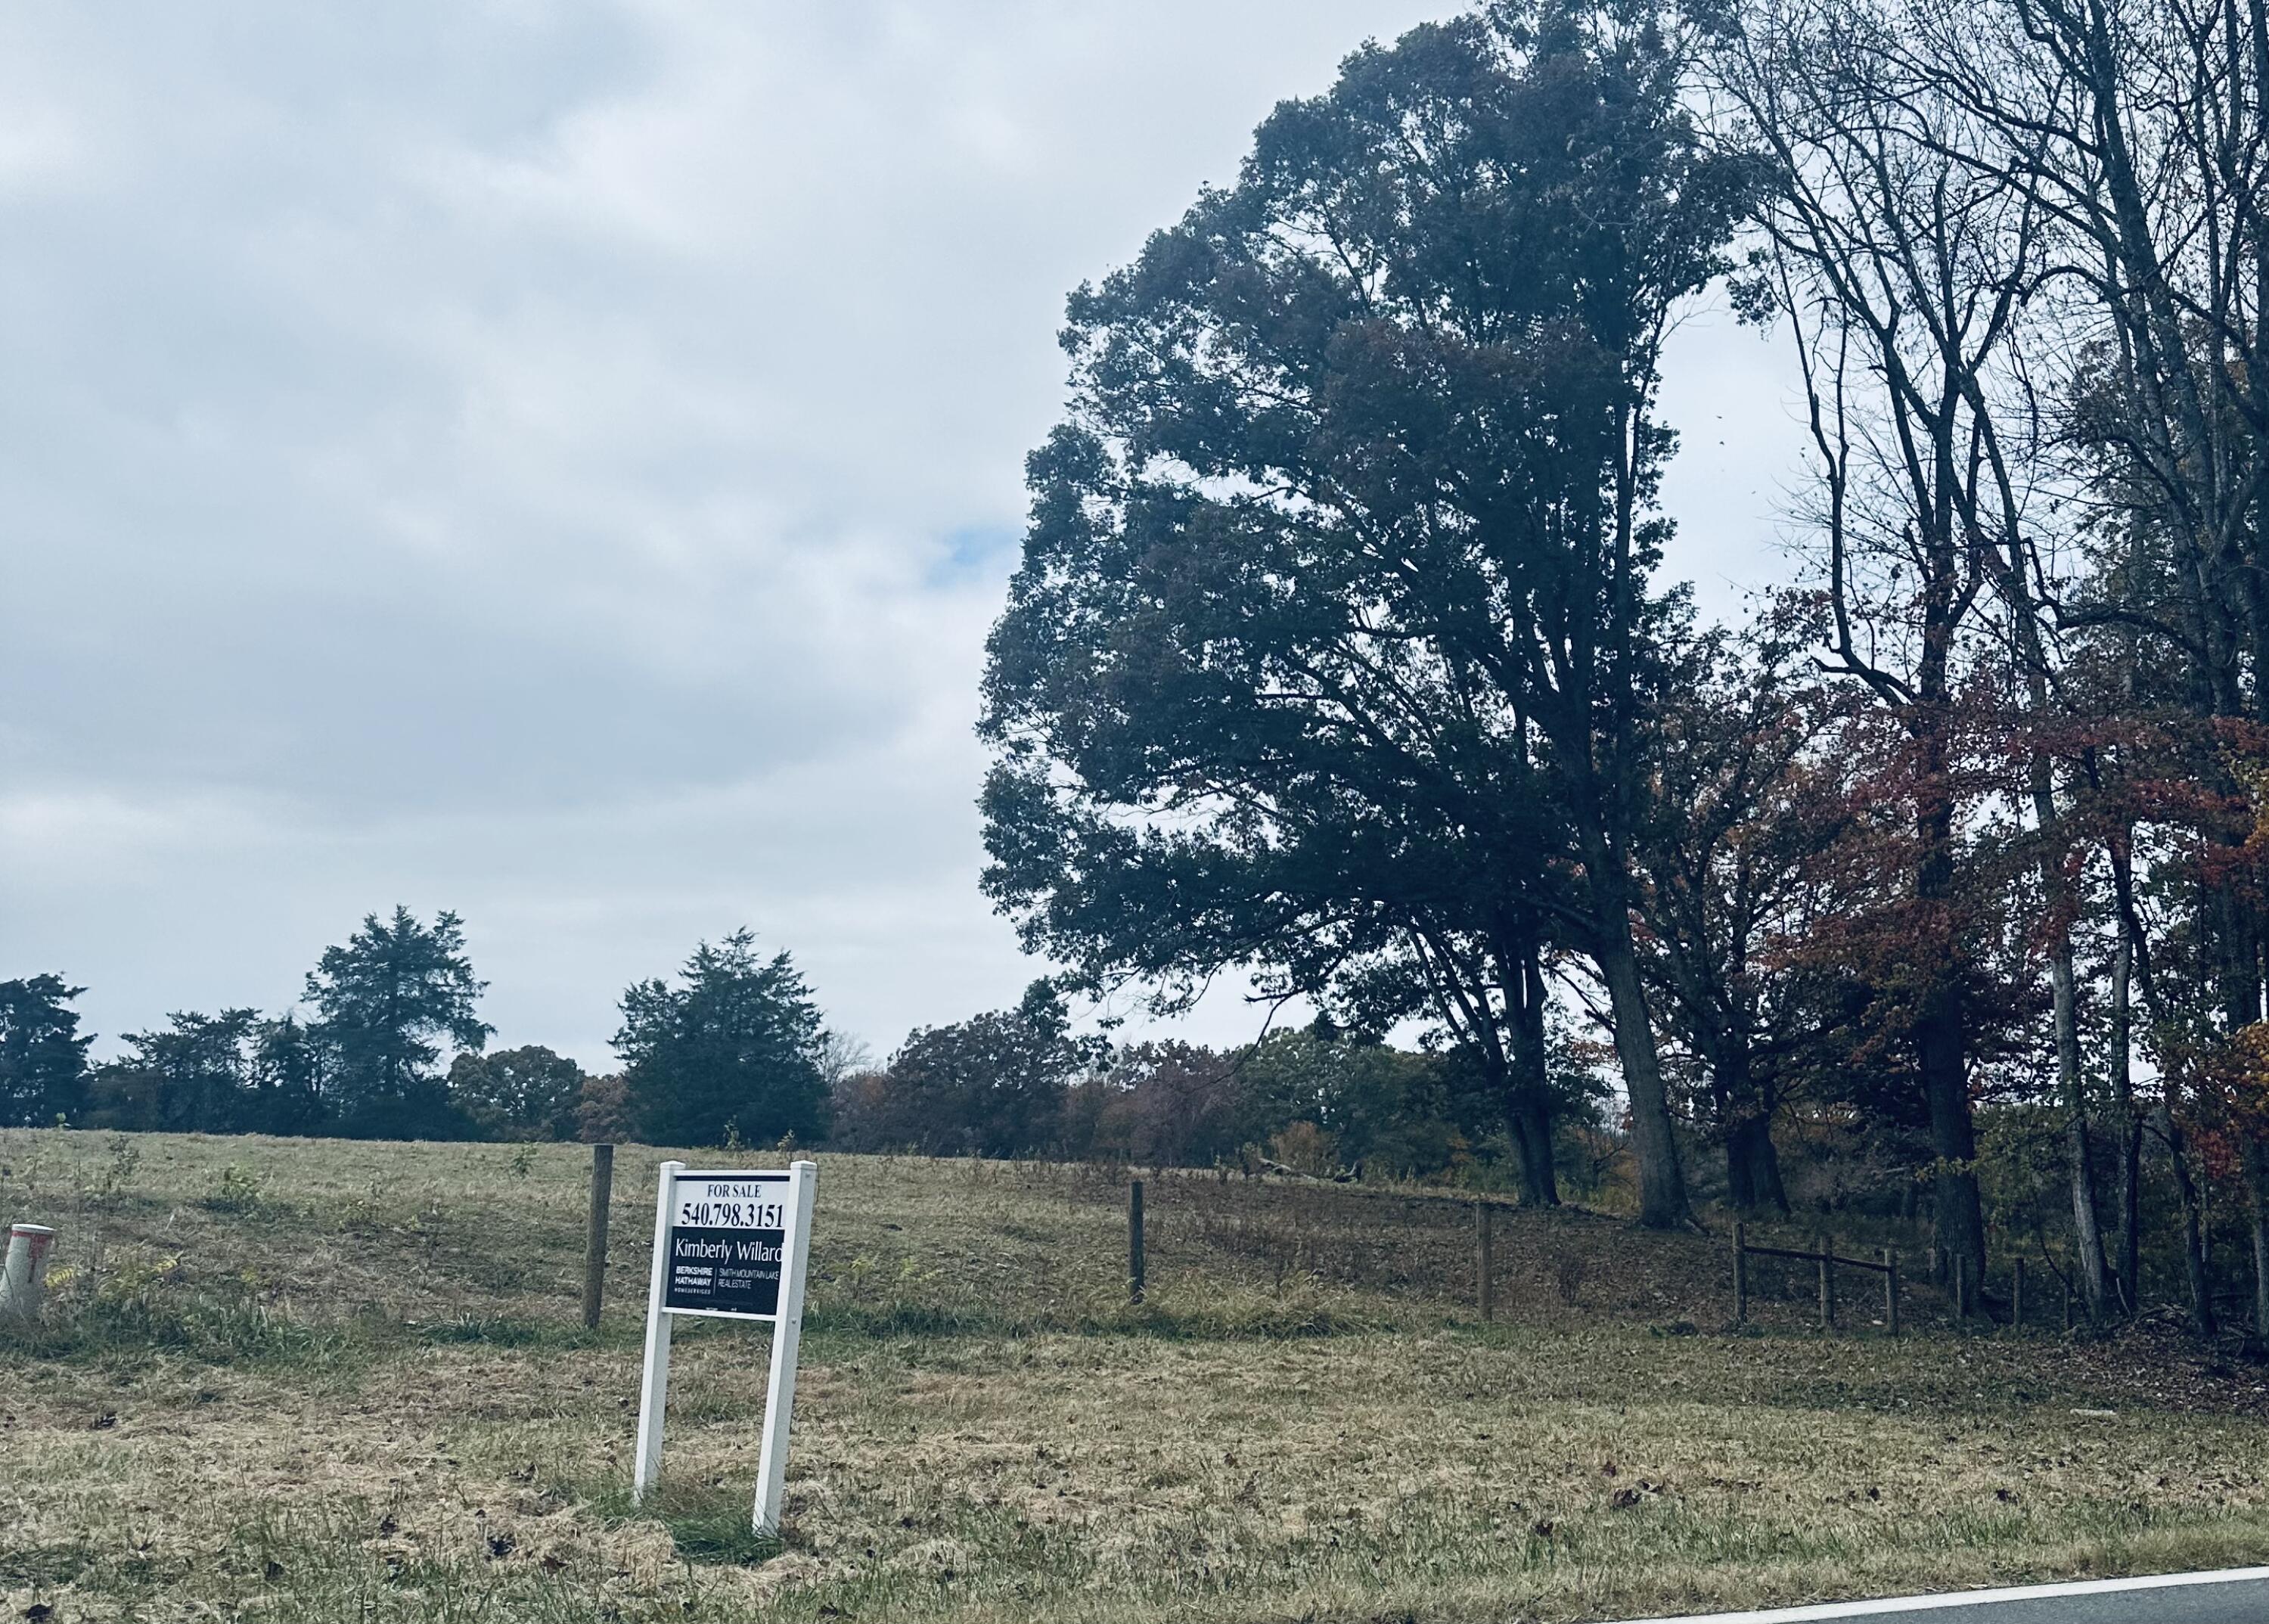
pixel 1967 1598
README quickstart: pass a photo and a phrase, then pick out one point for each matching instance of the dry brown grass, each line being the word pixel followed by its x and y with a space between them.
pixel 366 1397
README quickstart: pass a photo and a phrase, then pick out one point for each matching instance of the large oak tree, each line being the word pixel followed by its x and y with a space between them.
pixel 1322 658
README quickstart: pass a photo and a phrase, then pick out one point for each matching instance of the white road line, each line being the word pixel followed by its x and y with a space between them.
pixel 1968 1598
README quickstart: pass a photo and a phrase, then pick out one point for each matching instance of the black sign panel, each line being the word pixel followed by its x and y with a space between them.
pixel 726 1271
pixel 728 1238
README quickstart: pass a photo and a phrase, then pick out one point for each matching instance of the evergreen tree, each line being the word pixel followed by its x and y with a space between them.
pixel 288 1079
pixel 382 1002
pixel 194 1076
pixel 42 1056
pixel 734 1051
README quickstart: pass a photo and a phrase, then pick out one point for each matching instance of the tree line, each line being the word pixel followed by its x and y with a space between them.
pixel 734 1045
pixel 1340 655
pixel 733 1052
pixel 1315 1100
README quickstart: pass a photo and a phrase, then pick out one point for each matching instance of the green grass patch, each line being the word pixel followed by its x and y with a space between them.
pixel 707 1523
pixel 209 1327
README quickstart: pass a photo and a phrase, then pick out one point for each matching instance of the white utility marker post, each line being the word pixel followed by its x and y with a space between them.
pixel 728 1245
pixel 23 1267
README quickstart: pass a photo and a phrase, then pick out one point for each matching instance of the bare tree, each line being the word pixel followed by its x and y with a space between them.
pixel 2138 131
pixel 1902 273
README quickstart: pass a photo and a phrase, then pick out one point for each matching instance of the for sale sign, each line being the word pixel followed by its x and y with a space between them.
pixel 729 1238
pixel 735 1245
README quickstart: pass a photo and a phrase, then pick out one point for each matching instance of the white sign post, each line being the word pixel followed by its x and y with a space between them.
pixel 729 1245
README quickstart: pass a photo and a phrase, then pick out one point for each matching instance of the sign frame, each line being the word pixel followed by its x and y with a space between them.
pixel 801 1182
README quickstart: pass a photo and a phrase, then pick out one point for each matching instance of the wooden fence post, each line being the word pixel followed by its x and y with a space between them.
pixel 1891 1290
pixel 1484 1264
pixel 2017 1298
pixel 1827 1280
pixel 2068 1301
pixel 594 1243
pixel 1961 1265
pixel 1741 1273
pixel 1135 1241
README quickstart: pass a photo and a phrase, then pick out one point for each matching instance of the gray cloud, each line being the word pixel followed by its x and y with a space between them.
pixel 559 462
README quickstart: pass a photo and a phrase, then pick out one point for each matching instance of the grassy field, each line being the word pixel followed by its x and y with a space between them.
pixel 300 1380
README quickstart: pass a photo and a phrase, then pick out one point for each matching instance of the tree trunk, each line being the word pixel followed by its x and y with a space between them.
pixel 1959 1215
pixel 2239 929
pixel 2063 905
pixel 2225 922
pixel 1740 1186
pixel 2131 1126
pixel 1753 1165
pixel 1531 1134
pixel 2088 1237
pixel 2256 1170
pixel 1528 1099
pixel 2193 1242
pixel 1940 1051
pixel 1662 1184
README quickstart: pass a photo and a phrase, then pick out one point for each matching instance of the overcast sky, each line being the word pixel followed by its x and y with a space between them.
pixel 558 462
